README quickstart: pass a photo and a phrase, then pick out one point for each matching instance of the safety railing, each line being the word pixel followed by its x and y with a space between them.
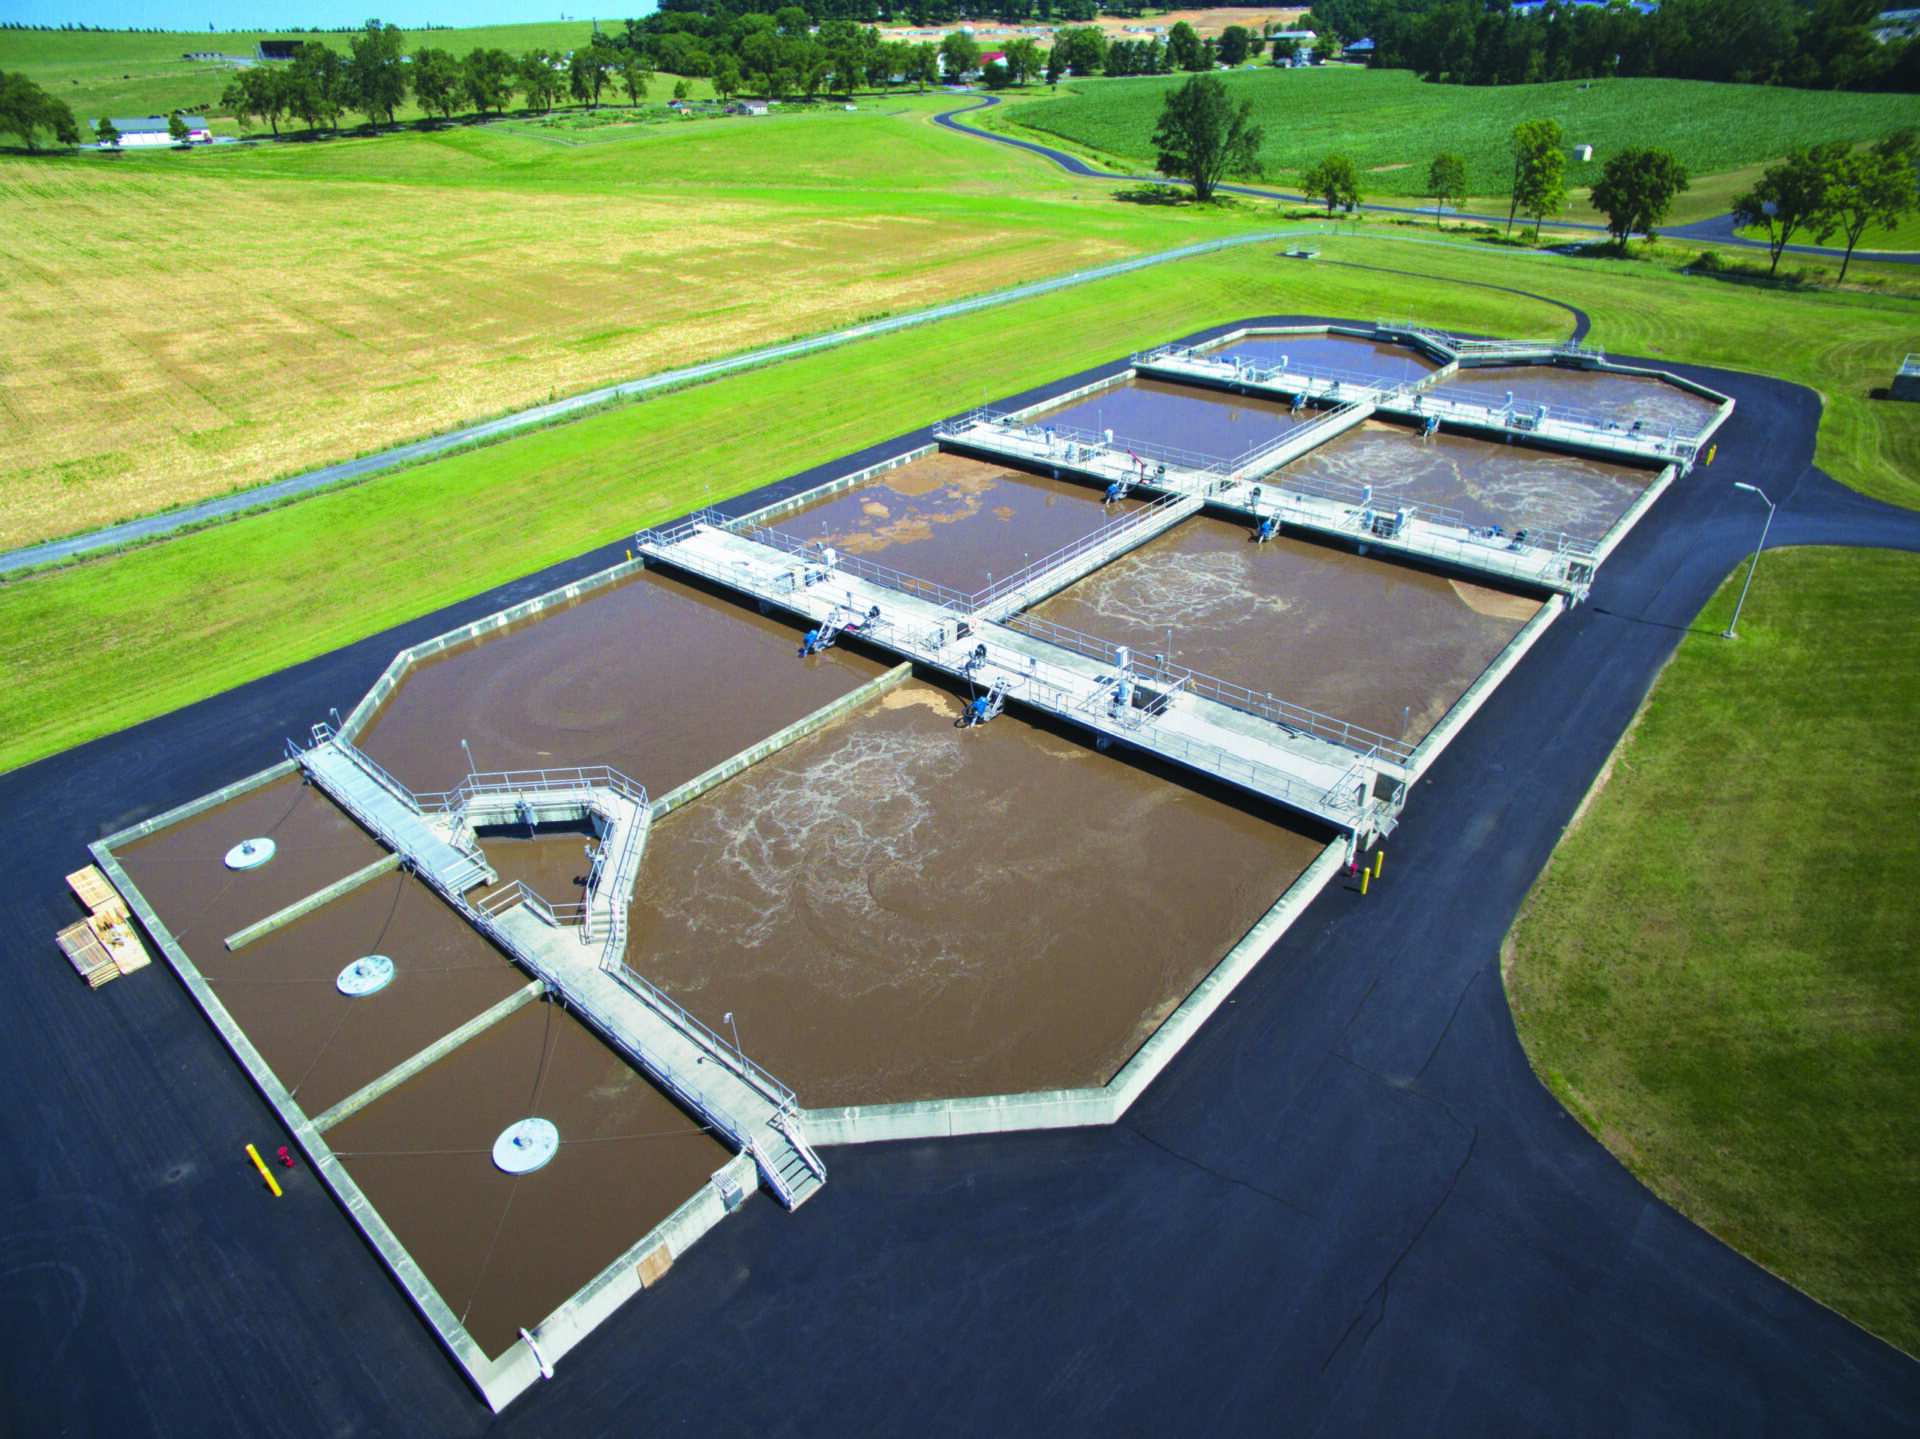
pixel 1539 416
pixel 1248 369
pixel 815 551
pixel 496 902
pixel 1156 671
pixel 1112 534
pixel 324 733
pixel 722 1051
pixel 1464 347
pixel 530 782
pixel 1065 443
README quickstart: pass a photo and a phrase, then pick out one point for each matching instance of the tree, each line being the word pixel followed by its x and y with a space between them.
pixel 436 81
pixel 376 79
pixel 316 85
pixel 635 77
pixel 682 89
pixel 1235 43
pixel 107 134
pixel 1184 50
pixel 1285 49
pixel 1080 48
pixel 178 130
pixel 924 64
pixel 1636 190
pixel 488 77
pixel 726 79
pixel 1201 137
pixel 1538 167
pixel 961 54
pixel 1789 197
pixel 1874 188
pixel 539 81
pixel 26 110
pixel 1447 180
pixel 1334 180
pixel 1326 47
pixel 1023 60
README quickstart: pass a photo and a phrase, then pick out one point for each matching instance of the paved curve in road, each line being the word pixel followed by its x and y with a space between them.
pixel 1348 1207
pixel 1719 230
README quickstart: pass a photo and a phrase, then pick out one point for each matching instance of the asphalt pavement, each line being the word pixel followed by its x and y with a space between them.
pixel 1348 1207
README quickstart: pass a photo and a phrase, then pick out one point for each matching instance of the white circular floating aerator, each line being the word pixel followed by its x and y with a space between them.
pixel 367 975
pixel 250 854
pixel 524 1147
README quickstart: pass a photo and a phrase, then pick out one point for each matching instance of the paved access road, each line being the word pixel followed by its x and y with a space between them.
pixel 1719 230
pixel 1347 1208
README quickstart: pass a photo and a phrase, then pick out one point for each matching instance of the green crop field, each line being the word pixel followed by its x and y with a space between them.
pixel 1392 124
pixel 1718 974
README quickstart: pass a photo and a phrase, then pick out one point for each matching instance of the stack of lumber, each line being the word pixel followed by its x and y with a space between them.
pixel 102 946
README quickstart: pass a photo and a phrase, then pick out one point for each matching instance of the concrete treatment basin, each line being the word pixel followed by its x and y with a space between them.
pixel 1621 398
pixel 506 1251
pixel 895 909
pixel 1377 644
pixel 954 521
pixel 1488 483
pixel 1337 355
pixel 654 676
pixel 1202 422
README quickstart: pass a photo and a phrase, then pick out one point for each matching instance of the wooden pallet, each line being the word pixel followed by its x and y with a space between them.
pixel 104 945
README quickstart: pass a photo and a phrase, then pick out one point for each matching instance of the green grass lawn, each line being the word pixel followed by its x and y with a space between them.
pixel 1718 974
pixel 1392 124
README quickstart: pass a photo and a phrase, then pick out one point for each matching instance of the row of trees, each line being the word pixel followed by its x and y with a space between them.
pixel 28 112
pixel 1819 44
pixel 375 77
pixel 1830 190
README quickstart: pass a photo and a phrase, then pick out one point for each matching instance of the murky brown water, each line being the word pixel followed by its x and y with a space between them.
pixel 1208 423
pixel 654 677
pixel 1624 398
pixel 201 901
pixel 325 1046
pixel 1366 641
pixel 894 909
pixel 1333 354
pixel 956 521
pixel 553 864
pixel 1488 483
pixel 503 1251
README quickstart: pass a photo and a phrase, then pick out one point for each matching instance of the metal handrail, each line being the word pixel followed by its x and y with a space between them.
pixel 1159 672
pixel 853 564
pixel 530 781
pixel 957 428
pixel 733 1057
pixel 1107 534
pixel 324 733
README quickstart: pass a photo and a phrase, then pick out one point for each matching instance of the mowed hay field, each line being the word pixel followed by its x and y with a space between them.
pixel 1391 124
pixel 179 326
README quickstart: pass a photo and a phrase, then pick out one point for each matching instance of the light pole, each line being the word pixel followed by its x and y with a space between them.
pixel 1727 633
pixel 736 1034
pixel 469 755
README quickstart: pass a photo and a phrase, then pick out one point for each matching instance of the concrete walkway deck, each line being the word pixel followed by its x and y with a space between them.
pixel 1334 783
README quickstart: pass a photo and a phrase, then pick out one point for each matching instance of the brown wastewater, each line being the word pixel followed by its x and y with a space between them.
pixel 1623 399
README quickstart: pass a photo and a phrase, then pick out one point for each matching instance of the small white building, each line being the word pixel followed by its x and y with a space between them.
pixel 150 130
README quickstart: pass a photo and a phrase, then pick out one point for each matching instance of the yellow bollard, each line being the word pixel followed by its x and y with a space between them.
pixel 1710 450
pixel 265 1173
pixel 1379 858
pixel 1365 875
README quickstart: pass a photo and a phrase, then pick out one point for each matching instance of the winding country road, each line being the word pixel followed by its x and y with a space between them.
pixel 1719 230
pixel 1348 1207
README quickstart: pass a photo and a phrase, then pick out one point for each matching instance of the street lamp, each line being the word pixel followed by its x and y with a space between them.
pixel 1727 633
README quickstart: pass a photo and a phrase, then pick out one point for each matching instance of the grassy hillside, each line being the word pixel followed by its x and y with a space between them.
pixel 123 72
pixel 1718 973
pixel 1392 124
pixel 321 300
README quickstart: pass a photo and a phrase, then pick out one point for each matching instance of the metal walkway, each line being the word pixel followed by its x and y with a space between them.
pixel 1435 534
pixel 577 949
pixel 1339 774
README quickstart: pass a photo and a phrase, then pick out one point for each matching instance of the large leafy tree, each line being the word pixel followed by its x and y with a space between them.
pixel 1334 180
pixel 376 79
pixel 1024 60
pixel 540 82
pixel 1184 50
pixel 26 110
pixel 635 76
pixel 1447 180
pixel 108 134
pixel 489 78
pixel 436 81
pixel 317 85
pixel 961 53
pixel 1539 170
pixel 1636 190
pixel 260 93
pixel 1235 44
pixel 1871 189
pixel 1202 138
pixel 1790 196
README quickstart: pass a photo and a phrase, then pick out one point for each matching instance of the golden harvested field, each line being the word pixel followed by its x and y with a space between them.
pixel 174 329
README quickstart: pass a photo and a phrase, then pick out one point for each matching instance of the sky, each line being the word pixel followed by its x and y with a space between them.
pixel 278 14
